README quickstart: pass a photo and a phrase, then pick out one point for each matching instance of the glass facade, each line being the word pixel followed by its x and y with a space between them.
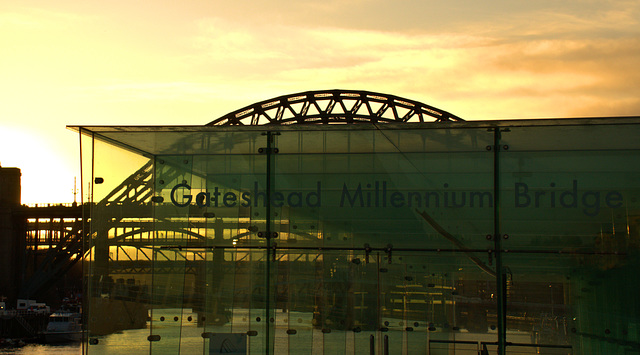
pixel 432 238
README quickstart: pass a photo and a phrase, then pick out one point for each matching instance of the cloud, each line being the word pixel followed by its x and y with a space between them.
pixel 507 60
pixel 474 76
pixel 548 59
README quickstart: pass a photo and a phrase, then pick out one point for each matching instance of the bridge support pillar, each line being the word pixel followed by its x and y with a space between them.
pixel 210 279
pixel 102 282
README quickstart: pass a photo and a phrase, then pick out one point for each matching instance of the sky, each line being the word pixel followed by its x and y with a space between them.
pixel 90 62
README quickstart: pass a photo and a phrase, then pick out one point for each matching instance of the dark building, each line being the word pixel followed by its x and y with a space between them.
pixel 11 244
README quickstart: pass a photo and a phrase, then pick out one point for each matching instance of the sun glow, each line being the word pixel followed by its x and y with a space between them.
pixel 47 175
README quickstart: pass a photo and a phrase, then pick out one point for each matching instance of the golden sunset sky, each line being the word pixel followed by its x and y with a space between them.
pixel 90 62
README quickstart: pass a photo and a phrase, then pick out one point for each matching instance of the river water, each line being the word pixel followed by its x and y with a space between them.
pixel 42 349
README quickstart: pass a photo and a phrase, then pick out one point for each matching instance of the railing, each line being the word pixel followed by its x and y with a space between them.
pixel 483 347
pixel 461 346
pixel 26 325
pixel 57 204
pixel 20 312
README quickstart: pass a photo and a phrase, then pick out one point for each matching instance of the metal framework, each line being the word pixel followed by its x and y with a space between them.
pixel 311 107
pixel 334 107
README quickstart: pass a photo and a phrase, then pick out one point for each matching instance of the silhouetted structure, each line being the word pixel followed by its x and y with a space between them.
pixel 38 244
pixel 11 245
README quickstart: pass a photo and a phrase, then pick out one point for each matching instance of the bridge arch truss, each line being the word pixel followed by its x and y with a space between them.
pixel 335 107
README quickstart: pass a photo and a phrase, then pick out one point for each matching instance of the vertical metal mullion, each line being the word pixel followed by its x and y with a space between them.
pixel 154 254
pixel 500 291
pixel 85 233
pixel 269 330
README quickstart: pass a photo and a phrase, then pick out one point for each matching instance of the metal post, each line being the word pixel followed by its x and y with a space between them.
pixel 268 343
pixel 85 233
pixel 500 290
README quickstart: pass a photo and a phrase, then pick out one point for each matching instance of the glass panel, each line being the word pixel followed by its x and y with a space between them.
pixel 569 215
pixel 213 215
pixel 295 301
pixel 117 295
pixel 461 303
pixel 331 308
pixel 172 274
pixel 383 238
pixel 578 189
pixel 382 208
pixel 188 140
pixel 355 198
pixel 85 183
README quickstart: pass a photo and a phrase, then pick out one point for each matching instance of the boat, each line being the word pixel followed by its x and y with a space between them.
pixel 64 327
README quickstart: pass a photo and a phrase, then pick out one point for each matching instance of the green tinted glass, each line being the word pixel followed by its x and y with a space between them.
pixel 363 239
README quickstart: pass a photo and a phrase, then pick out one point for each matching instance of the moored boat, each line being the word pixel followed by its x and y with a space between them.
pixel 64 327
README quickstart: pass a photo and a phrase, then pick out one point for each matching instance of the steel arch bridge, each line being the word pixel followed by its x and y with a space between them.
pixel 334 107
pixel 310 107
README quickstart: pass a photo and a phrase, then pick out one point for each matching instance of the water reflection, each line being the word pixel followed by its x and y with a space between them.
pixel 39 349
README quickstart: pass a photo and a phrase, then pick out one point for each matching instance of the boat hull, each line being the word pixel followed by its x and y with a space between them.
pixel 63 337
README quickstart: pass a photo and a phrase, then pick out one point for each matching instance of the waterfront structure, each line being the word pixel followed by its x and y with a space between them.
pixel 356 222
pixel 40 246
pixel 10 245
